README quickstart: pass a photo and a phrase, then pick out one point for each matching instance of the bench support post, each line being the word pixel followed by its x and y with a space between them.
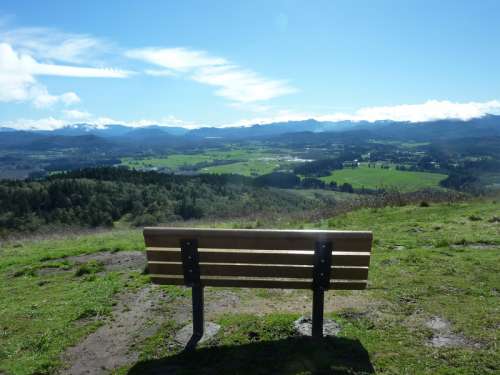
pixel 191 270
pixel 198 320
pixel 317 316
pixel 321 282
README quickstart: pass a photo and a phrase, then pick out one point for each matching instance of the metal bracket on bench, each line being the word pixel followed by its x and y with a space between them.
pixel 191 270
pixel 190 262
pixel 322 265
pixel 321 282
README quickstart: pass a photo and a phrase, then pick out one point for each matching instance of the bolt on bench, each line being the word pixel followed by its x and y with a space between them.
pixel 288 259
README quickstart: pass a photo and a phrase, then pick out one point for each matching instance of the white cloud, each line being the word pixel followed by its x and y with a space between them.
pixel 48 123
pixel 69 117
pixel 18 83
pixel 74 114
pixel 160 73
pixel 51 44
pixel 42 99
pixel 428 111
pixel 233 82
pixel 168 121
pixel 78 71
pixel 241 85
pixel 70 98
pixel 180 59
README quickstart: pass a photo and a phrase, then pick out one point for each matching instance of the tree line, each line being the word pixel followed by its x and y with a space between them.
pixel 101 196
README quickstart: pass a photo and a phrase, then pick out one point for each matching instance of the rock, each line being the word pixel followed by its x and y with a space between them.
pixel 447 341
pixel 438 324
pixel 399 247
pixel 442 336
pixel 415 230
pixel 182 337
pixel 303 326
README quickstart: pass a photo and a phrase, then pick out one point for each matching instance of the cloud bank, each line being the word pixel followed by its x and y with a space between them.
pixel 428 111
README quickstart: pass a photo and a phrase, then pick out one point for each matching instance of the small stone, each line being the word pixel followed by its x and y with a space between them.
pixel 184 335
pixel 303 326
pixel 438 324
pixel 447 341
pixel 399 247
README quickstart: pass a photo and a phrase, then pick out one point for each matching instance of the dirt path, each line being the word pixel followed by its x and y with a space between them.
pixel 137 316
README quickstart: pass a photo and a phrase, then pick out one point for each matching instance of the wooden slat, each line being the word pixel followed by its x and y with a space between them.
pixel 258 239
pixel 292 257
pixel 258 283
pixel 259 270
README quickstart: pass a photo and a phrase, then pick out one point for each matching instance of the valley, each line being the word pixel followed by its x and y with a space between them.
pixel 420 156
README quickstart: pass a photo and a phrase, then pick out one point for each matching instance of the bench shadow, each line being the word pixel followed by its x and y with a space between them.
pixel 294 355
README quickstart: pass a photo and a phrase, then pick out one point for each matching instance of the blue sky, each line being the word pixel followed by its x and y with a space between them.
pixel 220 63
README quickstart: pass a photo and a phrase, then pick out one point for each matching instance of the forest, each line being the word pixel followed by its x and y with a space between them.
pixel 101 196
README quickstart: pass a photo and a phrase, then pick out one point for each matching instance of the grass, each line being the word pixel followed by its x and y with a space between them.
pixel 40 315
pixel 239 155
pixel 246 168
pixel 374 178
pixel 424 264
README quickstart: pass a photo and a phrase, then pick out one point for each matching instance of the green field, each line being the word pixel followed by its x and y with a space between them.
pixel 172 161
pixel 254 167
pixel 437 263
pixel 247 161
pixel 374 178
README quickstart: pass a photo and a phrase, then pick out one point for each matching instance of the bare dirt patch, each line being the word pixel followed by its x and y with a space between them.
pixel 442 336
pixel 112 261
pixel 264 301
pixel 137 316
pixel 477 246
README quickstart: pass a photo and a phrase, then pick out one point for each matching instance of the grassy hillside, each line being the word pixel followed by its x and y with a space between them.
pixel 431 306
pixel 375 178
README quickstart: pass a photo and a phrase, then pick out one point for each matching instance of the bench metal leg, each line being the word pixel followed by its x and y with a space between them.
pixel 317 316
pixel 321 282
pixel 198 320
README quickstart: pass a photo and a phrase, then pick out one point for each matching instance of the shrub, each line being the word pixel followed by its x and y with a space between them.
pixel 90 267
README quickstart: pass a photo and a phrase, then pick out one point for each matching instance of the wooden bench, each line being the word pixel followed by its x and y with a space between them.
pixel 289 259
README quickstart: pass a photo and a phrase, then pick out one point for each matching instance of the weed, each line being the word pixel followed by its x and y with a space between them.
pixel 89 268
pixel 475 218
pixel 442 242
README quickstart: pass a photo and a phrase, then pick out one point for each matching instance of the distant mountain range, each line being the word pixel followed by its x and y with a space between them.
pixel 88 135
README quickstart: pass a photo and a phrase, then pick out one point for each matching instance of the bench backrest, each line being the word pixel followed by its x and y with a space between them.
pixel 259 258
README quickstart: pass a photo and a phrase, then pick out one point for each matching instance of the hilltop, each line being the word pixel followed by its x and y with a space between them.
pixel 430 308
